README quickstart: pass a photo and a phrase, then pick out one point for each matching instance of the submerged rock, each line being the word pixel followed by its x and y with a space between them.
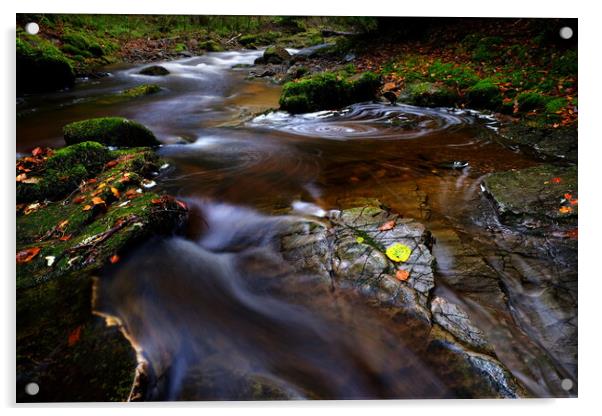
pixel 545 142
pixel 111 131
pixel 535 197
pixel 154 70
pixel 60 245
pixel 140 90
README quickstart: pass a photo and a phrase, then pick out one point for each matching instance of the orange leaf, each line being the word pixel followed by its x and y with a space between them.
pixel 65 237
pixel 87 208
pixel 574 202
pixel 556 180
pixel 387 226
pixel 74 336
pixel 568 196
pixel 26 255
pixel 111 163
pixel 62 224
pixel 21 177
pixel 402 275
pixel 78 199
pixel 114 259
pixel 565 210
pixel 115 192
pixel 156 201
pixel 97 201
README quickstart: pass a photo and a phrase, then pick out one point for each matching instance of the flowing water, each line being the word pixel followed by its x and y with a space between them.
pixel 217 307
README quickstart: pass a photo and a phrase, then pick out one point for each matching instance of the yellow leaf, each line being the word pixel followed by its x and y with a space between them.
pixel 398 252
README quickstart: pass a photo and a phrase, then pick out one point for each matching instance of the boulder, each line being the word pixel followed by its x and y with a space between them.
pixel 154 70
pixel 111 131
pixel 41 67
pixel 274 55
pixel 61 246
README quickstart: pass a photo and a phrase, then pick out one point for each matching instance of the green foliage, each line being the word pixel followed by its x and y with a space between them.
pixel 484 94
pixel 112 131
pixel 566 64
pixel 528 101
pixel 328 91
pixel 453 74
pixel 428 94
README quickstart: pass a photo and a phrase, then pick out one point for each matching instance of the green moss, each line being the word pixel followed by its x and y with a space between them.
pixel 81 44
pixel 180 47
pixel 112 131
pixel 528 101
pixel 453 74
pixel 41 66
pixel 63 172
pixel 555 105
pixel 211 46
pixel 484 94
pixel 154 70
pixel 428 94
pixel 140 90
pixel 274 55
pixel 328 91
pixel 566 64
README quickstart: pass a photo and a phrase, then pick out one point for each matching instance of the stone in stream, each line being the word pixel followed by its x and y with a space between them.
pixel 535 197
pixel 111 131
pixel 61 245
pixel 154 70
pixel 546 142
pixel 349 250
pixel 274 55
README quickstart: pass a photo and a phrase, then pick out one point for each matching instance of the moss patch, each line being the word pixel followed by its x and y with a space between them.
pixel 328 91
pixel 112 131
pixel 140 90
pixel 429 94
pixel 41 66
pixel 484 94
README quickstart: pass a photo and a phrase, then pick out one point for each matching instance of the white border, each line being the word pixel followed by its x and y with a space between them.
pixel 590 154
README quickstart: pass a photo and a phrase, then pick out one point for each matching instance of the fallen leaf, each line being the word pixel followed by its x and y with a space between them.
pixel 78 199
pixel 74 336
pixel 114 259
pixel 65 237
pixel 389 225
pixel 565 210
pixel 87 208
pixel 112 163
pixel 556 180
pixel 26 255
pixel 359 240
pixel 98 201
pixel 37 151
pixel 568 196
pixel 21 177
pixel 62 224
pixel 402 275
pixel 156 201
pixel 115 192
pixel 398 252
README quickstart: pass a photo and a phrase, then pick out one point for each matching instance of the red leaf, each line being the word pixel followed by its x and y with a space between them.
pixel 111 163
pixel 114 259
pixel 78 199
pixel 556 180
pixel 387 226
pixel 26 255
pixel 74 336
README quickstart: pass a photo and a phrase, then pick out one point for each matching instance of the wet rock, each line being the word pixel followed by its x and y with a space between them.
pixel 41 66
pixel 77 357
pixel 428 94
pixel 140 90
pixel 274 55
pixel 535 197
pixel 112 131
pixel 546 142
pixel 489 377
pixel 154 70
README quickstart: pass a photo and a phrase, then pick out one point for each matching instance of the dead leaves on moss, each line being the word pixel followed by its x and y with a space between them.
pixel 27 255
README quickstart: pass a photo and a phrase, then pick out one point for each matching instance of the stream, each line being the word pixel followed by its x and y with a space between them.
pixel 218 305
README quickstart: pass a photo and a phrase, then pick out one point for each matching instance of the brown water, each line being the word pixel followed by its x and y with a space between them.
pixel 210 311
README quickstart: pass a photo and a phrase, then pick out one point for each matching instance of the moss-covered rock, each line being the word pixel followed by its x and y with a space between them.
pixel 484 94
pixel 140 90
pixel 328 91
pixel 211 46
pixel 41 66
pixel 428 94
pixel 274 55
pixel 61 172
pixel 528 101
pixel 61 345
pixel 77 43
pixel 112 131
pixel 154 70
